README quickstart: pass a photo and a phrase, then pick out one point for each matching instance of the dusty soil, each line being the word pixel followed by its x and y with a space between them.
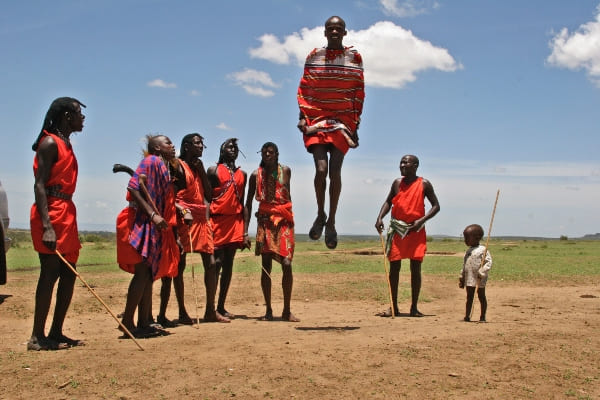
pixel 540 342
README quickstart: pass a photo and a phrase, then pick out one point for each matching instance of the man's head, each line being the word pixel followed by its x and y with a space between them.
pixel 229 150
pixel 409 165
pixel 161 145
pixel 335 30
pixel 269 154
pixel 473 234
pixel 192 145
pixel 64 113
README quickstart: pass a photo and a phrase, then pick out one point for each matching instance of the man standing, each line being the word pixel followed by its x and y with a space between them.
pixel 406 234
pixel 53 221
pixel 193 203
pixel 228 183
pixel 275 220
pixel 330 97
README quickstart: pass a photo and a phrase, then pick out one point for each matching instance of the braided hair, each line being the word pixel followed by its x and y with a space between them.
pixel 54 116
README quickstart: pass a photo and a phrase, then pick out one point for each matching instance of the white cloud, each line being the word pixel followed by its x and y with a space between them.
pixel 194 92
pixel 579 49
pixel 159 83
pixel 392 55
pixel 223 126
pixel 254 82
pixel 407 8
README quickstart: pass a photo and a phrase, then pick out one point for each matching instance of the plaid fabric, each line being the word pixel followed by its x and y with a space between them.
pixel 144 236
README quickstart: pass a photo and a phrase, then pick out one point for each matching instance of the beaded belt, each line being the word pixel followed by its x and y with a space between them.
pixel 54 191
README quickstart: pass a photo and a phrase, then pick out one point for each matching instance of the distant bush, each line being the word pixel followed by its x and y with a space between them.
pixel 430 238
pixel 564 237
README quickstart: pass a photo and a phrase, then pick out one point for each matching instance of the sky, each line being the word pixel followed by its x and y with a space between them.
pixel 490 95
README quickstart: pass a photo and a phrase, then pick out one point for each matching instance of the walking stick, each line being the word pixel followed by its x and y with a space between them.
pixel 487 242
pixel 387 275
pixel 99 299
pixel 194 281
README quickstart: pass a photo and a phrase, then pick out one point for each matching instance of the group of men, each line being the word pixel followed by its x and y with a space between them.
pixel 176 206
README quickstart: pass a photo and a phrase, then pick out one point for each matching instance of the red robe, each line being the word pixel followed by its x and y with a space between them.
pixel 275 220
pixel 408 206
pixel 62 213
pixel 331 89
pixel 192 198
pixel 226 210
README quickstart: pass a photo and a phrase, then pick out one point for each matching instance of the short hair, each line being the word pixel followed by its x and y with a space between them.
pixel 223 145
pixel 151 140
pixel 330 19
pixel 54 115
pixel 274 146
pixel 477 229
pixel 187 139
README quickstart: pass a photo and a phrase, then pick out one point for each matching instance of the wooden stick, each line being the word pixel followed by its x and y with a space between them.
pixel 387 275
pixel 487 242
pixel 194 281
pixel 99 299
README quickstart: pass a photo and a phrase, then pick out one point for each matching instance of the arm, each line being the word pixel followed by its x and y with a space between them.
pixel 387 205
pixel 245 212
pixel 248 207
pixel 47 156
pixel 154 216
pixel 435 207
pixel 487 265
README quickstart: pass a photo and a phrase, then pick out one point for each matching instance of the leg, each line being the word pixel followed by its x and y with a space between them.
pixel 210 283
pixel 145 307
pixel 180 289
pixel 64 294
pixel 415 287
pixel 165 295
pixel 287 283
pixel 319 152
pixel 335 184
pixel 265 284
pixel 135 293
pixel 469 305
pixel 226 273
pixel 394 280
pixel 49 273
pixel 483 302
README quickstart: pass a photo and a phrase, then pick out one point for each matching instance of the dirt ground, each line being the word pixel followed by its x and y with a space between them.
pixel 540 342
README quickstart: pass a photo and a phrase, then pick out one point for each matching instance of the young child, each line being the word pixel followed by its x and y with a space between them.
pixel 474 272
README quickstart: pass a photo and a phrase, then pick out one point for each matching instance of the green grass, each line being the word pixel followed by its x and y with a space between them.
pixel 516 260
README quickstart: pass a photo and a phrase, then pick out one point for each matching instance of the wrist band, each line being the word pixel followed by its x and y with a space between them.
pixel 152 215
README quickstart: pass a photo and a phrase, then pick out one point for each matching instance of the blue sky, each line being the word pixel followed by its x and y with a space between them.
pixel 490 95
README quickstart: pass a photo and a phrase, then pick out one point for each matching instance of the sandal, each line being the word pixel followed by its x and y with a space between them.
pixel 331 238
pixel 388 313
pixel 165 322
pixel 185 320
pixel 317 228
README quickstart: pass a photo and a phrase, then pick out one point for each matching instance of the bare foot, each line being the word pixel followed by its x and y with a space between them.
pixel 216 317
pixel 288 316
pixel 267 317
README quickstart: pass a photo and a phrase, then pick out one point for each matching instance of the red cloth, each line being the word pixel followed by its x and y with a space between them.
pixel 226 210
pixel 408 206
pixel 275 219
pixel 332 87
pixel 192 198
pixel 62 213
pixel 135 231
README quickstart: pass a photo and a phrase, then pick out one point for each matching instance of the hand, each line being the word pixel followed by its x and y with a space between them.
pixel 188 218
pixel 301 125
pixel 247 243
pixel 49 238
pixel 461 283
pixel 379 225
pixel 159 221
